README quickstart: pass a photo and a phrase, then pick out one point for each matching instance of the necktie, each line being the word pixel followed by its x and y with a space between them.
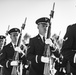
pixel 14 45
pixel 44 39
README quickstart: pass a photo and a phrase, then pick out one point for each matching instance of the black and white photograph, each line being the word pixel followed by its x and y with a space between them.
pixel 37 37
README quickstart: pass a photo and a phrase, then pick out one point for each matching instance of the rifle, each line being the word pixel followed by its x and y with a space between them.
pixel 7 31
pixel 16 54
pixel 6 34
pixel 48 66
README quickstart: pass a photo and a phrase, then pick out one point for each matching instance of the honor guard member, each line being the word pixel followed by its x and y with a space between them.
pixel 6 59
pixel 2 44
pixel 36 48
pixel 69 49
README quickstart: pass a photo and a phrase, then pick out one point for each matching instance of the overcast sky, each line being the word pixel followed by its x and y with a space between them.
pixel 14 12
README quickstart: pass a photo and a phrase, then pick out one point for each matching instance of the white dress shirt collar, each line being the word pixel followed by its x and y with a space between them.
pixel 41 36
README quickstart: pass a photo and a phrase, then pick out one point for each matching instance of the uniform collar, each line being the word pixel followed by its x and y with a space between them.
pixel 41 36
pixel 13 44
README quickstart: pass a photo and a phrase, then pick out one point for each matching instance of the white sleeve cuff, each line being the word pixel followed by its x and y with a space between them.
pixel 7 63
pixel 75 58
pixel 36 58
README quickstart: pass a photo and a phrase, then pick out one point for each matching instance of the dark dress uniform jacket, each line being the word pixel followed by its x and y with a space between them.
pixel 7 55
pixel 36 47
pixel 69 46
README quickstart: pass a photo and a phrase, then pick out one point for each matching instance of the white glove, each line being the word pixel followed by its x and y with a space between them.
pixel 44 59
pixel 19 50
pixel 1 66
pixel 75 58
pixel 14 63
pixel 26 66
pixel 48 41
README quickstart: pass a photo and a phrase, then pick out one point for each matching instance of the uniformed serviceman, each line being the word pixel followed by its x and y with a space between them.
pixel 69 49
pixel 2 44
pixel 36 48
pixel 6 59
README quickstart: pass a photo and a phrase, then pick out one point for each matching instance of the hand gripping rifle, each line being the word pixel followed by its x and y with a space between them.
pixel 16 54
pixel 47 52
